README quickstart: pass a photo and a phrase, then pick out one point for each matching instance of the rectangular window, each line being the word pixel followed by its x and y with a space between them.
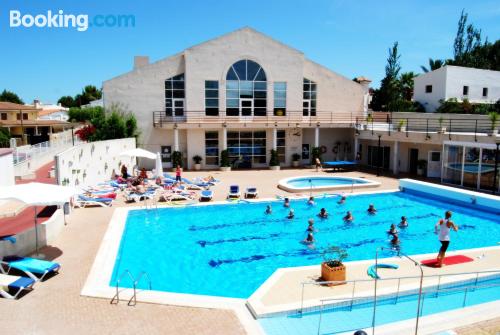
pixel 309 98
pixel 485 91
pixel 281 145
pixel 25 116
pixel 166 153
pixel 211 98
pixel 174 96
pixel 279 98
pixel 4 116
pixel 212 148
pixel 428 88
pixel 375 159
pixel 465 90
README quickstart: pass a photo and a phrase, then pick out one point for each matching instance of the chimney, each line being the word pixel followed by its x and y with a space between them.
pixel 364 82
pixel 36 103
pixel 140 61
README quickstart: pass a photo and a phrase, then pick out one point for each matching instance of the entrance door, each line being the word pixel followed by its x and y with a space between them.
pixel 434 164
pixel 246 107
pixel 412 169
pixel 178 107
pixel 306 107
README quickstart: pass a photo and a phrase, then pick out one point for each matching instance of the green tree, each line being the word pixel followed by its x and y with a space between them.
pixel 387 96
pixel 406 82
pixel 434 64
pixel 66 101
pixel 9 96
pixel 4 137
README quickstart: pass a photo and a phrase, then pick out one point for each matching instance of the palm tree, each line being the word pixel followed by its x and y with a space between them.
pixel 434 64
pixel 406 82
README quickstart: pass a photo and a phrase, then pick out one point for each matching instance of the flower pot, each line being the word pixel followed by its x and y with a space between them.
pixel 494 132
pixel 337 273
pixel 443 130
pixel 197 167
pixel 295 163
pixel 420 171
pixel 225 168
pixel 275 168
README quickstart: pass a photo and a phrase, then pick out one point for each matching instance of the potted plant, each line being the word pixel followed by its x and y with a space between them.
pixel 197 162
pixel 176 159
pixel 332 268
pixel 274 162
pixel 225 165
pixel 369 119
pixel 421 166
pixel 295 159
pixel 442 129
pixel 402 125
pixel 315 153
pixel 493 116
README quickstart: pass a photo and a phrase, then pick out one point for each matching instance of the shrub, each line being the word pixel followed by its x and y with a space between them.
pixel 224 159
pixel 274 161
pixel 197 159
pixel 334 256
pixel 177 158
pixel 316 153
pixel 295 157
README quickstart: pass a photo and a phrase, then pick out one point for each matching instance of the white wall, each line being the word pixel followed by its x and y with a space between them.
pixel 437 79
pixel 457 77
pixel 7 167
pixel 92 163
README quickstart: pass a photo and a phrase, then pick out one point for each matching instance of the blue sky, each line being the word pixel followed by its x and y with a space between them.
pixel 349 37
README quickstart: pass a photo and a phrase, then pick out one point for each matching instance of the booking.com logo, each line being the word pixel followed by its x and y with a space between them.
pixel 61 20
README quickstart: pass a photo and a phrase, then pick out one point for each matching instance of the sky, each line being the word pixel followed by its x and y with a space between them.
pixel 351 38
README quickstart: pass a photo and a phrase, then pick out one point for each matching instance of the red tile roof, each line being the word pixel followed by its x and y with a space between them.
pixel 10 106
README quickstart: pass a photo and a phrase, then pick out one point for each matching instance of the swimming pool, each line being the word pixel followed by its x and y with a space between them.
pixel 343 318
pixel 323 183
pixel 473 167
pixel 229 250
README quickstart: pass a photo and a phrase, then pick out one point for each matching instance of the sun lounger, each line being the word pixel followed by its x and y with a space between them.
pixel 12 286
pixel 134 196
pixel 206 195
pixel 84 201
pixel 234 191
pixel 251 192
pixel 36 269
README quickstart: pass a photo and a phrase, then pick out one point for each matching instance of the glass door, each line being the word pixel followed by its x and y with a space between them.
pixel 306 107
pixel 246 107
pixel 178 107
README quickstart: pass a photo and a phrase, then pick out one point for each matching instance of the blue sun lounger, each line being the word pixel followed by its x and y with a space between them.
pixel 12 286
pixel 36 269
pixel 206 195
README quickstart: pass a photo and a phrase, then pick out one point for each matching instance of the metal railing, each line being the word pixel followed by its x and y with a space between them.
pixel 291 118
pixel 135 281
pixel 425 294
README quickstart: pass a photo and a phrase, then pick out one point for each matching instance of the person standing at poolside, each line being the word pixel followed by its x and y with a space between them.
pixel 178 174
pixel 442 228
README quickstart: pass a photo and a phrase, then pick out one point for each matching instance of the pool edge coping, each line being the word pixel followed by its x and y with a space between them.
pixel 282 184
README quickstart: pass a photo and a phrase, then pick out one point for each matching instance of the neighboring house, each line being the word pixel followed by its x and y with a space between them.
pixel 95 103
pixel 23 123
pixel 244 92
pixel 475 85
pixel 51 111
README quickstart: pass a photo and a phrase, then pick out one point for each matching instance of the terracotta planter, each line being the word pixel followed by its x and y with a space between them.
pixel 333 274
pixel 295 163
pixel 197 167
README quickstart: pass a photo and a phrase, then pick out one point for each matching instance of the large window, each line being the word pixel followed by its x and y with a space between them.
pixel 279 98
pixel 246 89
pixel 452 172
pixel 246 148
pixel 309 98
pixel 212 148
pixel 174 96
pixel 281 145
pixel 211 97
pixel 375 159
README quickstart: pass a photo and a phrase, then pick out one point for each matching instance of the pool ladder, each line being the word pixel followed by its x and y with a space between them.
pixel 135 281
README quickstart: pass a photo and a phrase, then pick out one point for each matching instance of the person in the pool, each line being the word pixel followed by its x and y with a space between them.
pixel 348 217
pixel 310 202
pixel 323 213
pixel 269 210
pixel 403 223
pixel 286 203
pixel 310 227
pixel 371 209
pixel 309 239
pixel 291 214
pixel 342 200
pixel 395 240
pixel 392 230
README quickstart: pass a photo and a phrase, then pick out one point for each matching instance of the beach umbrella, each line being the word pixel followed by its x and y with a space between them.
pixel 138 152
pixel 159 166
pixel 38 194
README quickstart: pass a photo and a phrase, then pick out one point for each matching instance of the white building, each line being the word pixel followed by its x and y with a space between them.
pixel 244 92
pixel 51 111
pixel 475 85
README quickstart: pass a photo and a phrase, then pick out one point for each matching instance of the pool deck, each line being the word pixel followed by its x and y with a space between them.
pixel 55 306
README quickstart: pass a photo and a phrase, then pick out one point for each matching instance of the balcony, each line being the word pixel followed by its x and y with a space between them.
pixel 291 118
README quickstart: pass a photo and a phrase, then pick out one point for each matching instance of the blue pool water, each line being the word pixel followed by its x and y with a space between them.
pixel 473 167
pixel 230 250
pixel 323 181
pixel 342 319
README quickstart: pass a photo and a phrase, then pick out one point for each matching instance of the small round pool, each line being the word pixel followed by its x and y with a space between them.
pixel 323 183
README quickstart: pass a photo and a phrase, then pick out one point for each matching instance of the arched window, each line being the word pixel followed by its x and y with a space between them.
pixel 246 89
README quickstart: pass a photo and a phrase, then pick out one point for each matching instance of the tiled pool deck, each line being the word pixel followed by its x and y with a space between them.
pixel 56 307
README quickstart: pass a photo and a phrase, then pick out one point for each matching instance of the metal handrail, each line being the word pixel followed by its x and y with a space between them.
pixel 135 281
pixel 387 279
pixel 117 295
